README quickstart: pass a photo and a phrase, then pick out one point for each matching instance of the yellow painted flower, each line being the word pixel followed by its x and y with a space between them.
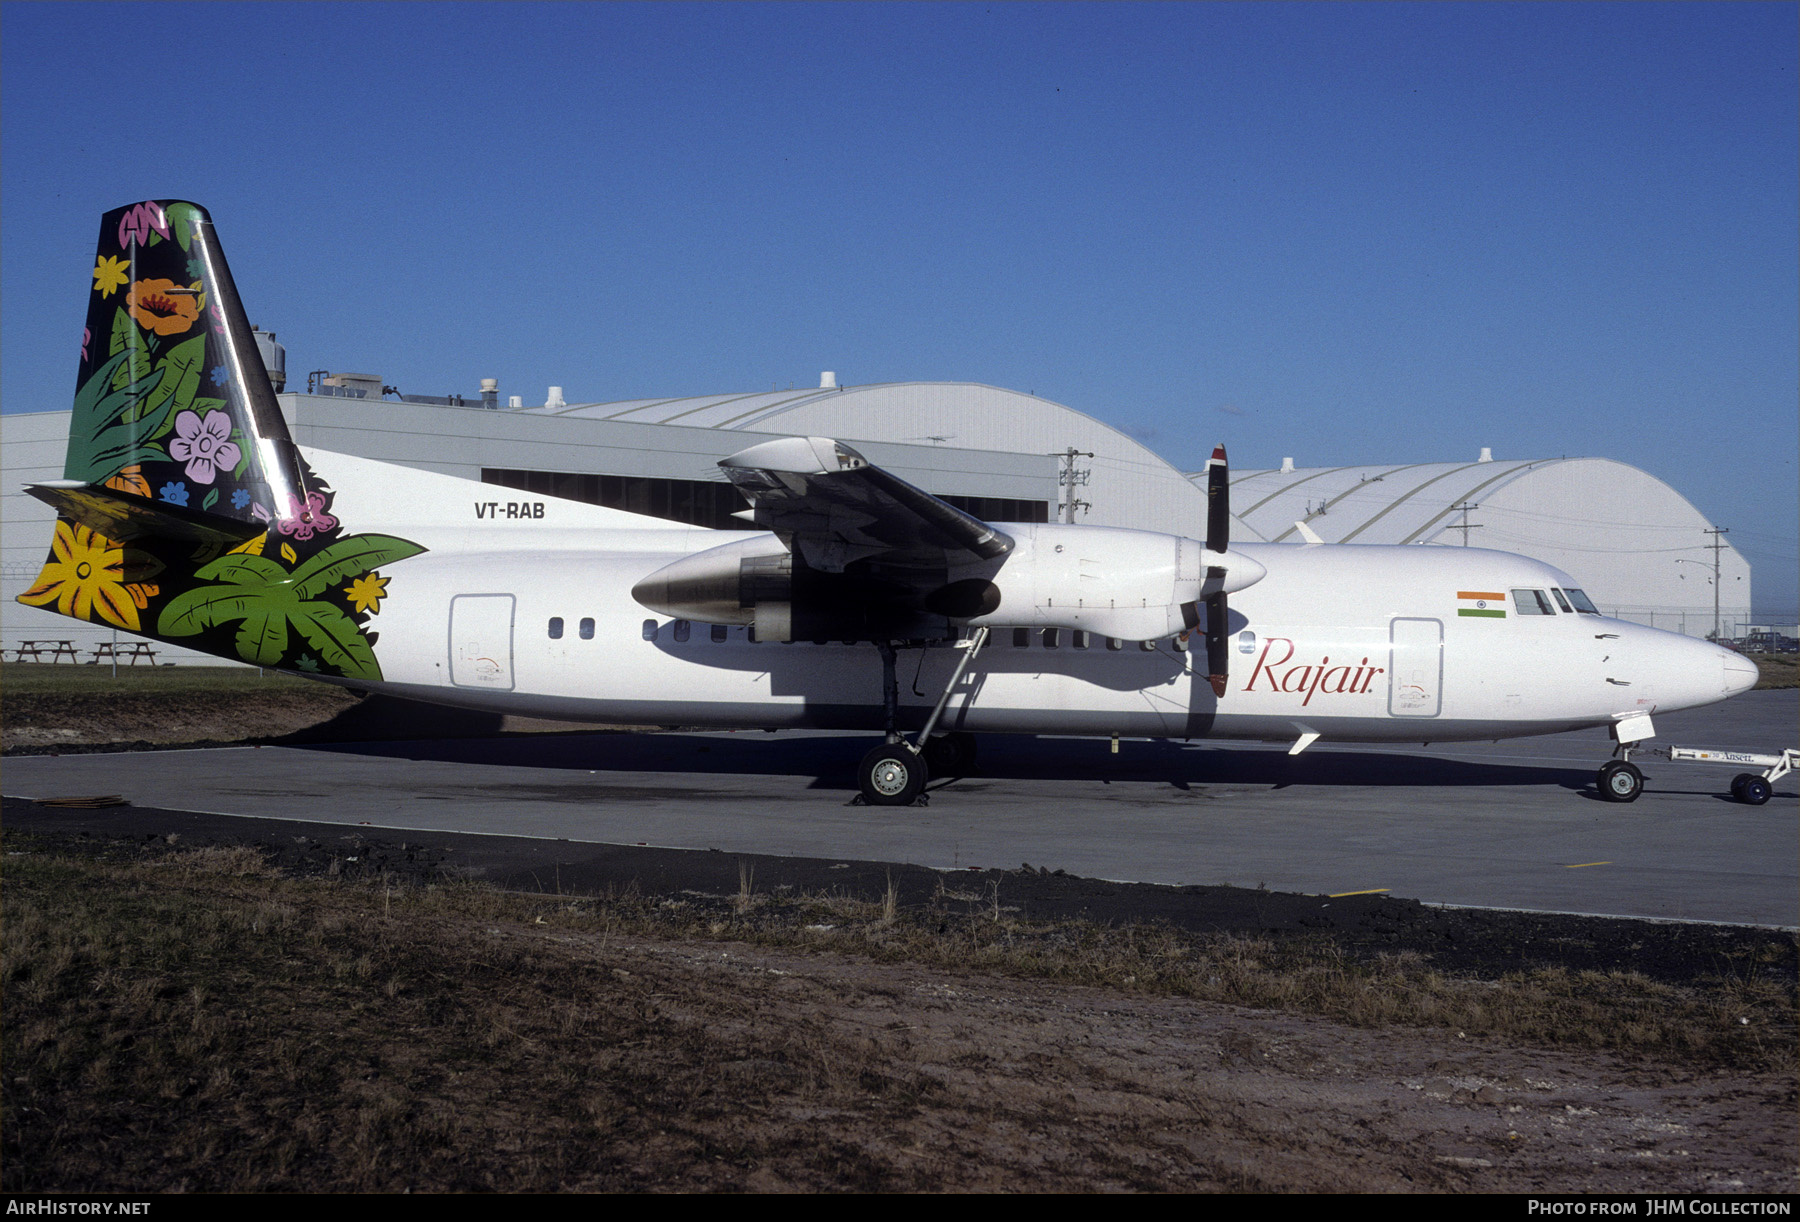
pixel 110 275
pixel 84 577
pixel 367 591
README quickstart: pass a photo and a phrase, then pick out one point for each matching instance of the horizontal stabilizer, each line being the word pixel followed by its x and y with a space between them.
pixel 123 517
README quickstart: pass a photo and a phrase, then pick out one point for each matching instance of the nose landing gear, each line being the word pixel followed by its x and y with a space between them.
pixel 1620 781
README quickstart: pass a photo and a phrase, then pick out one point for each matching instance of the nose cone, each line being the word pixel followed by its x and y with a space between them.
pixel 1741 673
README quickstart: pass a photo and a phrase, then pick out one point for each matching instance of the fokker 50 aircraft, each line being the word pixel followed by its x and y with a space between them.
pixel 187 514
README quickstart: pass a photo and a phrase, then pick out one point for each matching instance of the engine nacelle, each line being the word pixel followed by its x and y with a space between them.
pixel 1135 585
pixel 758 583
pixel 1132 584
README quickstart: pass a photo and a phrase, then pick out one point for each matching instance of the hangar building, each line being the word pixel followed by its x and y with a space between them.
pixel 1634 544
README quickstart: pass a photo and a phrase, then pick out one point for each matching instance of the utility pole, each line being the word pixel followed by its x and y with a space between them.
pixel 1070 478
pixel 1718 546
pixel 1466 527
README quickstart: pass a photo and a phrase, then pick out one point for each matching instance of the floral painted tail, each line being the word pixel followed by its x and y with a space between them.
pixel 185 510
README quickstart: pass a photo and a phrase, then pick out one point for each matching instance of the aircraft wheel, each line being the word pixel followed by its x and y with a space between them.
pixel 891 775
pixel 950 754
pixel 1753 790
pixel 1620 781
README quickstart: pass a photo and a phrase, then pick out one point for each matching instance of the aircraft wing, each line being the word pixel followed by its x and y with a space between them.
pixel 832 508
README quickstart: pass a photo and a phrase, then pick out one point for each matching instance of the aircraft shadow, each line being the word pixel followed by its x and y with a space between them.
pixel 831 760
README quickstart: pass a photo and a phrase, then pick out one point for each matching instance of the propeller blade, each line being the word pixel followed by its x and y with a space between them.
pixel 1218 539
pixel 1218 501
pixel 1218 650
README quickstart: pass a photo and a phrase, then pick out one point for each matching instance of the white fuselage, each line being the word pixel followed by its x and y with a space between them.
pixel 523 604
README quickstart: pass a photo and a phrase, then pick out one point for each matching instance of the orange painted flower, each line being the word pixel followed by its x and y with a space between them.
pixel 163 306
pixel 84 578
pixel 131 479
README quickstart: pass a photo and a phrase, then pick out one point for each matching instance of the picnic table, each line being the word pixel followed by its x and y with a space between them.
pixel 117 650
pixel 57 650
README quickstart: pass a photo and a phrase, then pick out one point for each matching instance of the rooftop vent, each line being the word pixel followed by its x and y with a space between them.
pixel 828 380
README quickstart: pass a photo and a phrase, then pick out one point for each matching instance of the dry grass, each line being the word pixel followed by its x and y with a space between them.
pixel 199 1023
pixel 1776 669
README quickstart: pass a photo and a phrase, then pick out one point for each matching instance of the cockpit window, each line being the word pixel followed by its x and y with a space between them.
pixel 1582 602
pixel 1561 601
pixel 1532 602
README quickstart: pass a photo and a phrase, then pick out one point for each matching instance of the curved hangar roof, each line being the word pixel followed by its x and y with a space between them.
pixel 1629 538
pixel 1127 484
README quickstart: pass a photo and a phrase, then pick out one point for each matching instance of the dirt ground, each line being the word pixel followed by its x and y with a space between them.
pixel 1024 1085
pixel 820 1069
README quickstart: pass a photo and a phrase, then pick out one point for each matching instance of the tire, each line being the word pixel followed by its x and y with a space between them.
pixel 950 754
pixel 1754 791
pixel 1620 781
pixel 891 775
pixel 1737 784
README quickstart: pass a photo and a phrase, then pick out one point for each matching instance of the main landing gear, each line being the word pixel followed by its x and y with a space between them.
pixel 895 773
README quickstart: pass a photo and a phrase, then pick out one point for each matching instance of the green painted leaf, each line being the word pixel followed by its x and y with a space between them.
pixel 181 379
pixel 263 637
pixel 340 643
pixel 241 568
pixel 101 443
pixel 181 224
pixel 349 557
pixel 194 611
pixel 212 498
pixel 124 332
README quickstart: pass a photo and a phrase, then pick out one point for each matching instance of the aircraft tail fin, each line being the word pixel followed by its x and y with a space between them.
pixel 175 427
pixel 185 512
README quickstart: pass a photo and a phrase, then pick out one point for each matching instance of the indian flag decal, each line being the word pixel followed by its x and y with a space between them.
pixel 1483 604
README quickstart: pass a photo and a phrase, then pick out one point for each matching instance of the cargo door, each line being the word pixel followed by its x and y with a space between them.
pixel 1415 667
pixel 481 641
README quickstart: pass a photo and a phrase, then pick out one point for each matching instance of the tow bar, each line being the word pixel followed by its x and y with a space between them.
pixel 1752 788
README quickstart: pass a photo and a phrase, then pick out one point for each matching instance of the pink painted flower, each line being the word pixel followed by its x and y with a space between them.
pixel 205 445
pixel 301 523
pixel 135 225
pixel 87 337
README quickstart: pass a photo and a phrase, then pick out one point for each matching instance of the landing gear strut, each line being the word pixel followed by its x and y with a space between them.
pixel 894 774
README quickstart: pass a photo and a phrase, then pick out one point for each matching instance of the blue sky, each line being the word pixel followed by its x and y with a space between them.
pixel 1347 233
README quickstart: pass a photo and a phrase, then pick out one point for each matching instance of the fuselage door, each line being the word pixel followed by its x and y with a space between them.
pixel 1415 667
pixel 481 636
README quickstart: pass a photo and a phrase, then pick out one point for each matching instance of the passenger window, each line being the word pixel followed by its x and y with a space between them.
pixel 718 632
pixel 1079 639
pixel 1246 641
pixel 1531 602
pixel 1052 638
pixel 649 630
pixel 1021 638
pixel 587 629
pixel 1180 643
pixel 556 627
pixel 1561 601
pixel 1147 646
pixel 1583 603
pixel 682 629
pixel 1114 644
